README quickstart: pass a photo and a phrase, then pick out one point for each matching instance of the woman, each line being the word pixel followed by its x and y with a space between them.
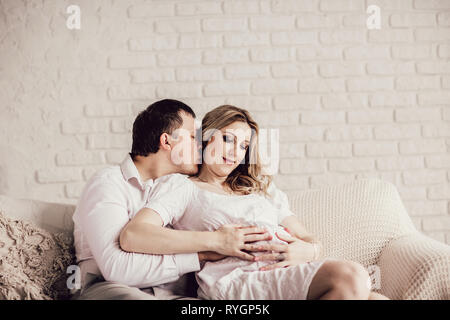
pixel 230 191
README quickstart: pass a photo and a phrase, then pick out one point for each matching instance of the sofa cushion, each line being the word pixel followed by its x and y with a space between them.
pixel 33 261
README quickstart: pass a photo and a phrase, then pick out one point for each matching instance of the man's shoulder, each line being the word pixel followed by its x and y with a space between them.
pixel 111 175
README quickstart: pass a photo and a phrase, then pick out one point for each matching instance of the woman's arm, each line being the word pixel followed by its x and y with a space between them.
pixel 296 229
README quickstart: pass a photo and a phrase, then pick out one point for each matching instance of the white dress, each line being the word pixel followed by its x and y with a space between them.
pixel 185 206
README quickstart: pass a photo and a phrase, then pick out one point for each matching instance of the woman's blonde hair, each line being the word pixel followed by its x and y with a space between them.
pixel 247 177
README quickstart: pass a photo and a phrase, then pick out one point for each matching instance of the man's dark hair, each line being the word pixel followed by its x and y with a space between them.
pixel 160 117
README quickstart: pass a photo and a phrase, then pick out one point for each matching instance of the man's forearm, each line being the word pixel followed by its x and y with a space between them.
pixel 152 239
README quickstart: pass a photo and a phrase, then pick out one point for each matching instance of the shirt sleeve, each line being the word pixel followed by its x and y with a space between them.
pixel 101 214
pixel 170 197
pixel 280 201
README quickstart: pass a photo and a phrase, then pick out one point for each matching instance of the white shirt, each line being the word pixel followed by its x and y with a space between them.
pixel 186 206
pixel 109 200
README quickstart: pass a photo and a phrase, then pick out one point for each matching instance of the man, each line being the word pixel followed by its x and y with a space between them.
pixel 114 195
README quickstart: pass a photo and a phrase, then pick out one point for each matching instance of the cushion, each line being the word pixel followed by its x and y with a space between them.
pixel 33 261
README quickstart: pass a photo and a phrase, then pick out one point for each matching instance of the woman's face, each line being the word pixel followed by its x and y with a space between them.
pixel 227 148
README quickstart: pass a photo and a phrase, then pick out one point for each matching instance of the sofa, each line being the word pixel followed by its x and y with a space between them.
pixel 362 220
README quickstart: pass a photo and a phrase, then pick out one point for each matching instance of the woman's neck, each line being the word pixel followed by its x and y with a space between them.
pixel 207 176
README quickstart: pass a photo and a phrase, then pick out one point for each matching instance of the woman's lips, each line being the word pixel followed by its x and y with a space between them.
pixel 228 162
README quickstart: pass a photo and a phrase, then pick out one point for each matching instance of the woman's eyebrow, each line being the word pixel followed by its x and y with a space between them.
pixel 236 137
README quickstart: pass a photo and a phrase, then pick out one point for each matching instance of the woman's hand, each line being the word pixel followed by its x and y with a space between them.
pixel 295 252
pixel 234 240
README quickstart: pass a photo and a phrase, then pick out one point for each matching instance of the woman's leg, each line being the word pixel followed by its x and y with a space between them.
pixel 377 296
pixel 340 280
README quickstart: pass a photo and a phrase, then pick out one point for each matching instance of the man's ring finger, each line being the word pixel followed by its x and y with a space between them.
pixel 280 257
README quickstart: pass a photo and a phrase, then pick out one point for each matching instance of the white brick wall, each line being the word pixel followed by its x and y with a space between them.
pixel 350 103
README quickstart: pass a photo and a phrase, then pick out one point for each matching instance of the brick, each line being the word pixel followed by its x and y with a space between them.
pixel 176 91
pixel 416 51
pixel 391 99
pixel 399 163
pixel 247 72
pixel 246 39
pixel 413 20
pixel 153 10
pixel 228 24
pixel 226 56
pixel 339 69
pixel 437 223
pixel 296 133
pixel 358 20
pixel 397 131
pixel 294 38
pixel 317 53
pixel 292 150
pixel 370 116
pixel 441 161
pixel 200 41
pixel 80 126
pixel 342 37
pixel 271 54
pixel 276 23
pixel 291 182
pixel 290 6
pixel 111 110
pixel 153 43
pixel 77 158
pixel 425 208
pixel 440 192
pixel 423 177
pixel 412 193
pixel 375 148
pixel 121 126
pixel 241 7
pixel 422 146
pixel 436 130
pixel 179 59
pixel 132 92
pixel 74 190
pixel 226 88
pixel 291 166
pixel 132 61
pixel 55 175
pixel 393 5
pixel 199 74
pixel 417 115
pixel 198 8
pixel 344 101
pixel 152 75
pixel 444 51
pixel 261 87
pixel 109 141
pixel 431 4
pixel 327 150
pixel 367 52
pixel 390 68
pixel 433 67
pixel 342 5
pixel 276 119
pixel 115 156
pixel 295 102
pixel 432 34
pixel 293 70
pixel 309 85
pixel 370 84
pixel 177 26
pixel 444 19
pixel 322 117
pixel 251 103
pixel 446 82
pixel 351 165
pixel 434 98
pixel 318 20
pixel 330 179
pixel 417 83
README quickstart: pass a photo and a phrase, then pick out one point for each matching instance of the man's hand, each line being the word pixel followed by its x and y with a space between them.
pixel 295 252
pixel 234 240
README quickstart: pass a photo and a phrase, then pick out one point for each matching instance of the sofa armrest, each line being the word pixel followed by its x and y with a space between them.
pixel 415 267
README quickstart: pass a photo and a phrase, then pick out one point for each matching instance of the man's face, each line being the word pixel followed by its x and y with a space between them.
pixel 185 153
